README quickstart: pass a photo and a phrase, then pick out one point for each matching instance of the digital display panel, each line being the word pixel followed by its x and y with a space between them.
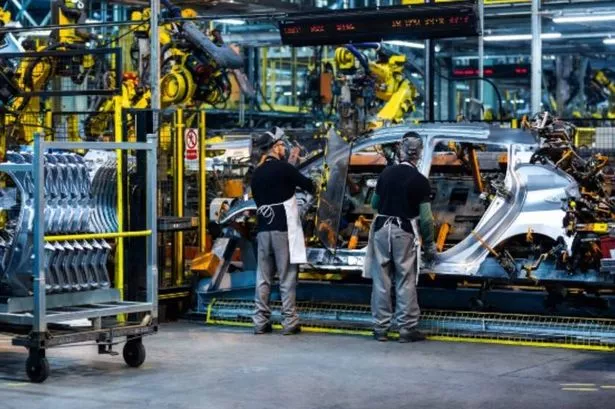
pixel 416 22
pixel 495 71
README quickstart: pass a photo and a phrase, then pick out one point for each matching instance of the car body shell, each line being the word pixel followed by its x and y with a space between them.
pixel 535 200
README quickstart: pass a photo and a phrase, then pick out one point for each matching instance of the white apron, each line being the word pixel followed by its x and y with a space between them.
pixel 371 264
pixel 296 241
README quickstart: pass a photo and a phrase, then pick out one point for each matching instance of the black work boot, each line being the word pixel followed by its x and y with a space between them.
pixel 410 335
pixel 292 330
pixel 267 329
pixel 380 336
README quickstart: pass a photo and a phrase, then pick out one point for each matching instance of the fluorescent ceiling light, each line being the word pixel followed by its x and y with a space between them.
pixel 38 33
pixel 405 44
pixel 521 37
pixel 584 18
pixel 231 21
pixel 609 41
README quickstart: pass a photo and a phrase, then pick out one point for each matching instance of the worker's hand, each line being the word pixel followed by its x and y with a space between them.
pixel 430 253
pixel 318 181
pixel 294 156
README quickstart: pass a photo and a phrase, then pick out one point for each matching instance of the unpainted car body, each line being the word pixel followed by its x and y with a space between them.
pixel 532 202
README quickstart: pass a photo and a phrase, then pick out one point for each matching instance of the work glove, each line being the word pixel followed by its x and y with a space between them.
pixel 317 181
pixel 430 253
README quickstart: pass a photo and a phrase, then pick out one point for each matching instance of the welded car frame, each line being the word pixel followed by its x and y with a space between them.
pixel 532 203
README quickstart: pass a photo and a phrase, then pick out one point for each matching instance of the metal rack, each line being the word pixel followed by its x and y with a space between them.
pixel 40 314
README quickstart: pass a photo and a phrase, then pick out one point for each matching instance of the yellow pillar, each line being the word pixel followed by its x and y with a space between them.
pixel 273 81
pixel 48 125
pixel 178 177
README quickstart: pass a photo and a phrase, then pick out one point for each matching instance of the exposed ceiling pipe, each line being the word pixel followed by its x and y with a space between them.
pixel 524 9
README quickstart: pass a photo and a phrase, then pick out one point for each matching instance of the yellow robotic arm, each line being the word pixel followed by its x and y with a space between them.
pixel 608 88
pixel 391 87
pixel 394 88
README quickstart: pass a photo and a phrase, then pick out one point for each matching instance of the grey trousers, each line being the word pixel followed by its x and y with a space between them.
pixel 395 252
pixel 273 254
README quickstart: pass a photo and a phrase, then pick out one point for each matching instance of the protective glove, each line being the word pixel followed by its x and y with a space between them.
pixel 318 181
pixel 430 253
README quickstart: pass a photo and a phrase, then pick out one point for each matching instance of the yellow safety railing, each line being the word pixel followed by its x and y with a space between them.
pixel 98 236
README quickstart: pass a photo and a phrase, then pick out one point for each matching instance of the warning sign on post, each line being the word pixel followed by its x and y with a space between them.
pixel 191 143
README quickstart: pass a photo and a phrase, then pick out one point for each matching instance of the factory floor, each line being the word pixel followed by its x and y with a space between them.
pixel 190 365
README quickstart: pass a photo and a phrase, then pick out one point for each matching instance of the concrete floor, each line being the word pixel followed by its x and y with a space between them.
pixel 193 366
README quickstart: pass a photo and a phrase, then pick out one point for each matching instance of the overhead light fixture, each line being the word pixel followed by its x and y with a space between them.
pixel 521 37
pixel 584 18
pixel 609 41
pixel 37 33
pixel 231 21
pixel 405 44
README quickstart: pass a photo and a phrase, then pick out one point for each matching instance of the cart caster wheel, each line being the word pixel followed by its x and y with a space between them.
pixel 37 368
pixel 134 353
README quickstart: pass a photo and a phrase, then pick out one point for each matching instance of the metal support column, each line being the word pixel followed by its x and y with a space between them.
pixel 429 82
pixel 252 79
pixel 151 224
pixel 263 82
pixel 293 76
pixel 119 252
pixel 536 57
pixel 152 186
pixel 452 101
pixel 202 184
pixel 481 50
pixel 39 323
pixel 154 57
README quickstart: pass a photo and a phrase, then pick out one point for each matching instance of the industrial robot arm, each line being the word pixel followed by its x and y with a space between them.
pixel 365 83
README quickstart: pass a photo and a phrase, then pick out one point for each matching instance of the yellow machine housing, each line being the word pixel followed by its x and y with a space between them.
pixel 391 86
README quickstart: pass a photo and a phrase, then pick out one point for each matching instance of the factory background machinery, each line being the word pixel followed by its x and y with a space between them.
pixel 178 89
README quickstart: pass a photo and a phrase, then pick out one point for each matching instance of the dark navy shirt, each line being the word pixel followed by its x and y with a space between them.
pixel 273 182
pixel 402 189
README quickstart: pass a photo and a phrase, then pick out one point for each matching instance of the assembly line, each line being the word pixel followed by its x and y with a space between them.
pixel 340 173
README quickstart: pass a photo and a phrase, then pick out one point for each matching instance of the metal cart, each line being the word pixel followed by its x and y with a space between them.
pixel 37 317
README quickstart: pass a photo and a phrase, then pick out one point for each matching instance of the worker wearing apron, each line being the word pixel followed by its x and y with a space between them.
pixel 402 196
pixel 280 241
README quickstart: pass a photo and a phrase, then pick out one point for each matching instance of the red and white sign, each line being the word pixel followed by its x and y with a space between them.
pixel 191 143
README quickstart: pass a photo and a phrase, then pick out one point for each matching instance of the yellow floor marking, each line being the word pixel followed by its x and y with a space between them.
pixel 16 384
pixel 538 344
pixel 577 384
pixel 580 389
pixel 608 386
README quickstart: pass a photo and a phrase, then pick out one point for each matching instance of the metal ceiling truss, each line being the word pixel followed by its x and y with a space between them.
pixel 23 16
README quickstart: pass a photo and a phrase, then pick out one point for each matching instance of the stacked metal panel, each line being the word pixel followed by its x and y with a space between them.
pixel 73 205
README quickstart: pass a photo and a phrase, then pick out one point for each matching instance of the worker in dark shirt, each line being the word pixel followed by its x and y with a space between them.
pixel 280 239
pixel 402 196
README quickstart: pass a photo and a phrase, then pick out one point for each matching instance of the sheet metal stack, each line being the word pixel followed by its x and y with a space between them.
pixel 74 204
